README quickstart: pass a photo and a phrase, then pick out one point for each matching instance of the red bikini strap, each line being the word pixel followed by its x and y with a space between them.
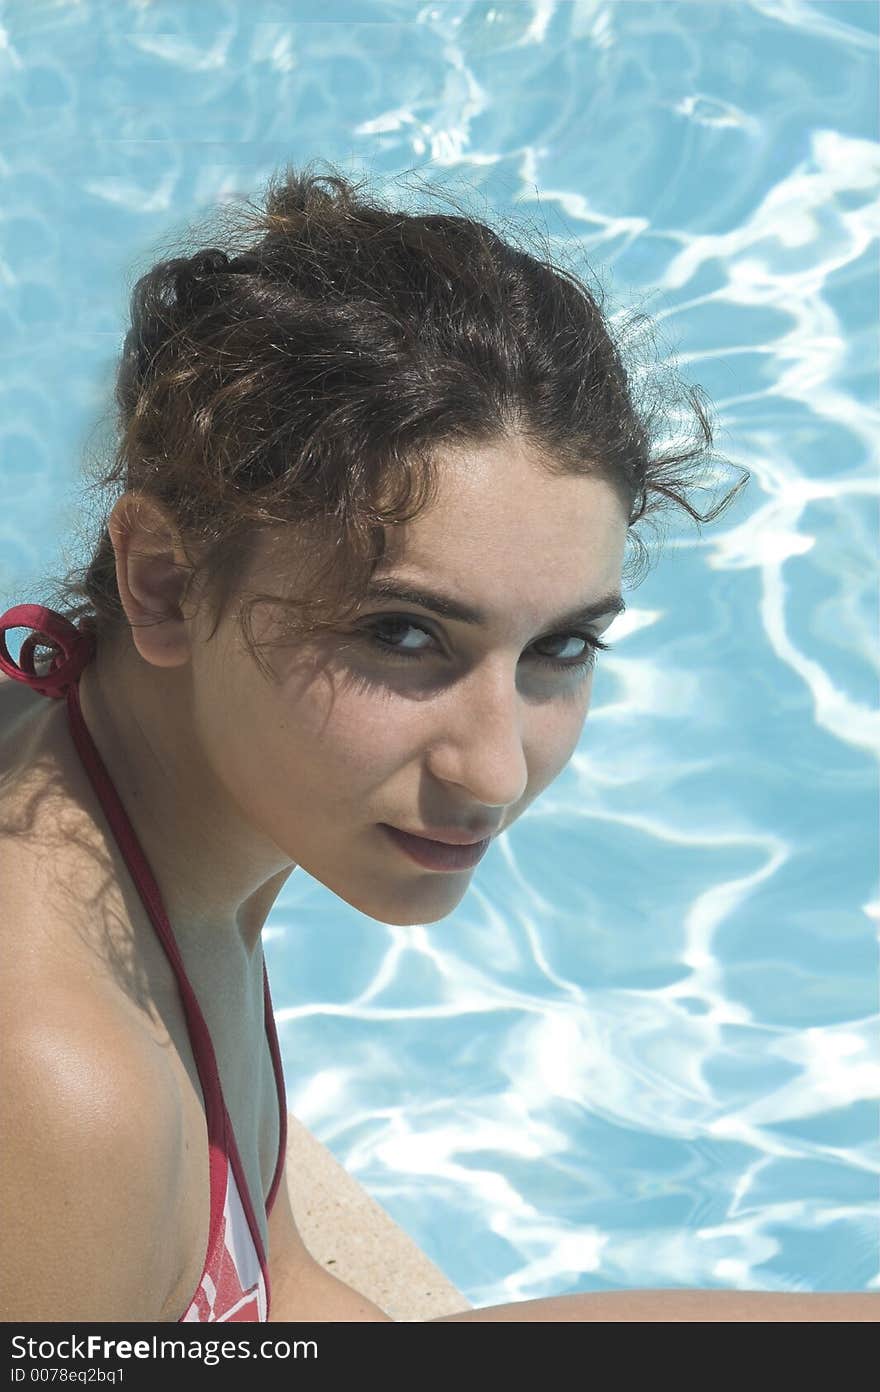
pixel 77 647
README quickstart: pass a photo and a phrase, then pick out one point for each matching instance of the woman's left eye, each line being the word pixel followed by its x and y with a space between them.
pixel 582 662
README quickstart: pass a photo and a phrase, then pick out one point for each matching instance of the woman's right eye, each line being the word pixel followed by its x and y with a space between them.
pixel 372 633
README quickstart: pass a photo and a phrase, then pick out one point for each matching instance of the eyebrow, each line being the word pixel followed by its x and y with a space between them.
pixel 388 587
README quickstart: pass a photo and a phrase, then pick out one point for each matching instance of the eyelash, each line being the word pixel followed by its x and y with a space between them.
pixel 581 666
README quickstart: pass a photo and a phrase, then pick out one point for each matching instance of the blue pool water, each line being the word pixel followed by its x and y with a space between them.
pixel 644 1050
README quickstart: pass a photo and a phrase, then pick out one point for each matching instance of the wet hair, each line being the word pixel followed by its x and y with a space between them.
pixel 307 372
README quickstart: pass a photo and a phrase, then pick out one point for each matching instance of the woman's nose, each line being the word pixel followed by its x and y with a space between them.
pixel 480 744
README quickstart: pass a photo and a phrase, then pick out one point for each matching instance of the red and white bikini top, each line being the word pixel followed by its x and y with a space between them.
pixel 234 1284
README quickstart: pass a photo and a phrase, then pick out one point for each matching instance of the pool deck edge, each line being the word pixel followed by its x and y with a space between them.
pixel 354 1237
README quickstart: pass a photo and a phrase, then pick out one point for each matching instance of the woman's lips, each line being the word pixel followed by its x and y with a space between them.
pixel 436 855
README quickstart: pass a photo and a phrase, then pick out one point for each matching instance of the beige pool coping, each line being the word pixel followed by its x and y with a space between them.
pixel 355 1238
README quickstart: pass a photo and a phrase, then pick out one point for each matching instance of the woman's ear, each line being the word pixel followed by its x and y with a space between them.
pixel 153 572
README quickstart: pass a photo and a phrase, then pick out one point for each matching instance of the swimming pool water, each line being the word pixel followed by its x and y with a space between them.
pixel 644 1050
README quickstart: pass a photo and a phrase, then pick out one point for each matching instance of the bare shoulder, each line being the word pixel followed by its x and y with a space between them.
pixel 91 1139
pixel 91 1118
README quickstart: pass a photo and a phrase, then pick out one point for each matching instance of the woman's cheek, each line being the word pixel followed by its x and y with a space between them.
pixel 370 737
pixel 552 754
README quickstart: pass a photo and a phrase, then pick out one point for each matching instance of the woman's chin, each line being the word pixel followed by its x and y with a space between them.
pixel 405 908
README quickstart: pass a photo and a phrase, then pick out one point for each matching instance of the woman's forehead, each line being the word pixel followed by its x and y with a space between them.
pixel 511 517
pixel 493 508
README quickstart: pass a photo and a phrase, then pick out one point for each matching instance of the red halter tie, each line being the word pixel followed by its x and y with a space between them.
pixel 77 647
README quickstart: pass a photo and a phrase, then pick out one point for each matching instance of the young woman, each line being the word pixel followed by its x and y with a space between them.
pixel 373 485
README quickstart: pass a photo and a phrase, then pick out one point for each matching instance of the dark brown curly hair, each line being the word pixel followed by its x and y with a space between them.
pixel 312 369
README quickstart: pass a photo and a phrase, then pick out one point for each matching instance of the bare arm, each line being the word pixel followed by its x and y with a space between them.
pixel 685 1306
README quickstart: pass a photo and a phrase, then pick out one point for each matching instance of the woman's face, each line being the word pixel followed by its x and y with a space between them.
pixel 411 719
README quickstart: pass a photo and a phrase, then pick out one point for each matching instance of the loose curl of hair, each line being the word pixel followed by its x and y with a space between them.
pixel 312 369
